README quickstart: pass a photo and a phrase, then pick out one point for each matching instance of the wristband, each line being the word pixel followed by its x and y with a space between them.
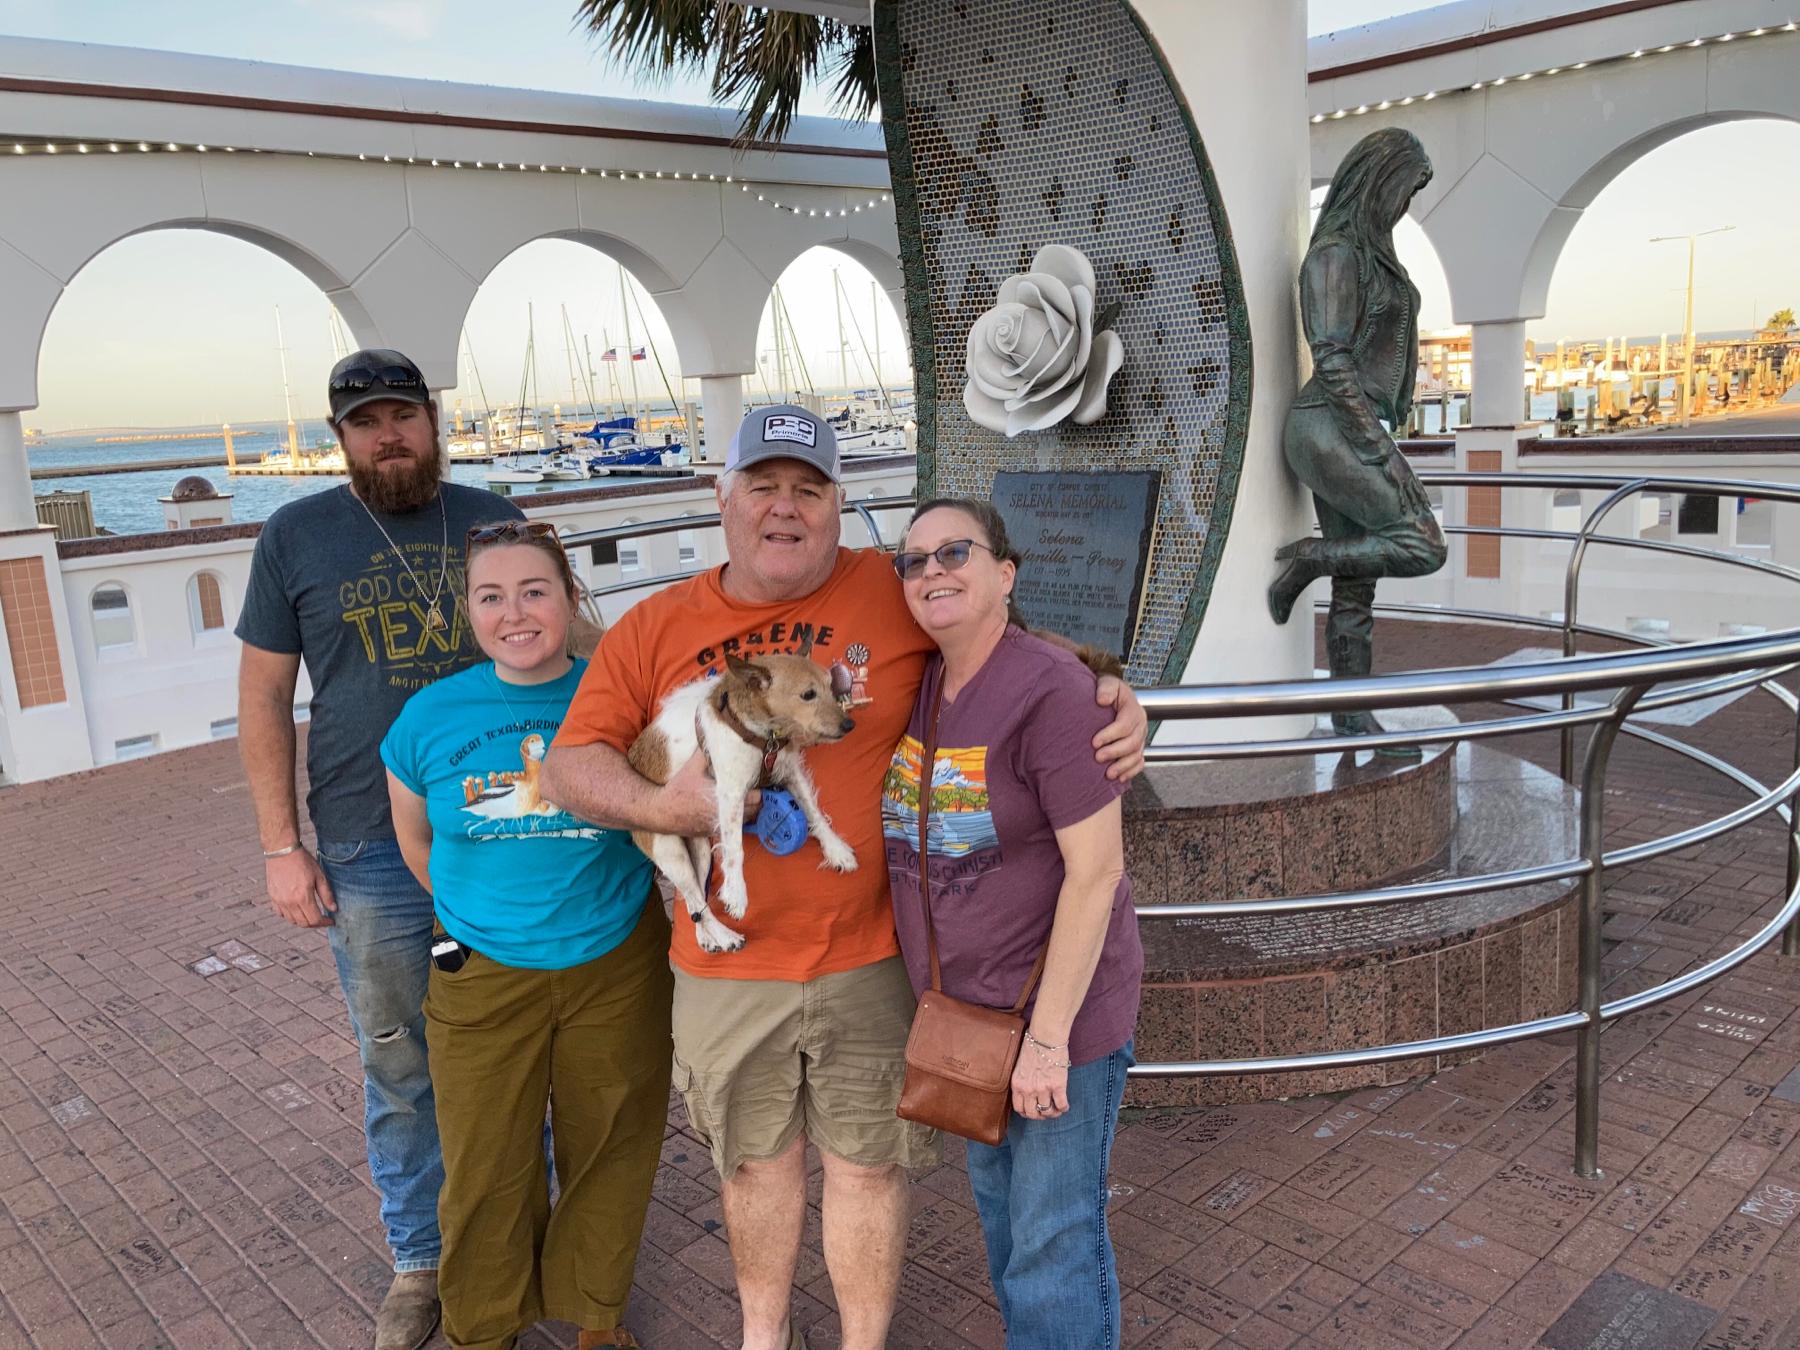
pixel 1047 1051
pixel 281 852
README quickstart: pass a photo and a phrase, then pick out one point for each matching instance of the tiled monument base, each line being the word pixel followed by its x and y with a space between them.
pixel 1248 986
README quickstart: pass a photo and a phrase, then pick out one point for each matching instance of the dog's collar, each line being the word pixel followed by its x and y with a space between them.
pixel 771 746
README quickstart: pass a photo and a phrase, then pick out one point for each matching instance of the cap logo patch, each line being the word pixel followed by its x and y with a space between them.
pixel 787 427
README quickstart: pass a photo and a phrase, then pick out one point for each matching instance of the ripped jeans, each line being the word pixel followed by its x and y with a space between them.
pixel 381 940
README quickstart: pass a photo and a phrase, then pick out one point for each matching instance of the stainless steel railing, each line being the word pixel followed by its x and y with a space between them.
pixel 1708 669
pixel 1713 667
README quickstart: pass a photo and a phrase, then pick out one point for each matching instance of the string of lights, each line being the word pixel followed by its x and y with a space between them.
pixel 1478 85
pixel 764 191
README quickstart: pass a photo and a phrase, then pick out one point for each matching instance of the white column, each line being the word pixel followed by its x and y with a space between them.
pixel 1242 69
pixel 1497 373
pixel 721 409
pixel 16 509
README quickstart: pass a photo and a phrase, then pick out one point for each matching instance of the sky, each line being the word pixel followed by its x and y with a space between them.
pixel 158 312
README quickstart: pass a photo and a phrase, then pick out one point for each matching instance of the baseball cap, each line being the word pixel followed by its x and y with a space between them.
pixel 371 375
pixel 785 431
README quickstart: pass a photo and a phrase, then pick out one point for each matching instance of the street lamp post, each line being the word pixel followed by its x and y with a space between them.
pixel 1687 329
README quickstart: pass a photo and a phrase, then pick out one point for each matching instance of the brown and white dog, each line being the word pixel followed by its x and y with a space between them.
pixel 753 722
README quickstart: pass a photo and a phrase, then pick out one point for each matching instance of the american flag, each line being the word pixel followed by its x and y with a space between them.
pixel 611 354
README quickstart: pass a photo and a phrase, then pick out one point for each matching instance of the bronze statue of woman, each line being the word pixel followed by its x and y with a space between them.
pixel 1360 312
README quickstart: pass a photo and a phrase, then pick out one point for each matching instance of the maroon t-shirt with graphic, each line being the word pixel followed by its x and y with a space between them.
pixel 1014 764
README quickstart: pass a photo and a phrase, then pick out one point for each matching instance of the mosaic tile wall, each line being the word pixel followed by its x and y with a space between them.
pixel 1016 123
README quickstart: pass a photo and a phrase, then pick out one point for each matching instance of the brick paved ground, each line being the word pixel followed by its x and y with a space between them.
pixel 181 1158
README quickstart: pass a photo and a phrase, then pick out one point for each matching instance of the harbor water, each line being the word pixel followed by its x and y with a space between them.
pixel 125 502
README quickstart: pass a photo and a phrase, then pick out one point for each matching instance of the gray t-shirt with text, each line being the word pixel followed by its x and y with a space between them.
pixel 324 583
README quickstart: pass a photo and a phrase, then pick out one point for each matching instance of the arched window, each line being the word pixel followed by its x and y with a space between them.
pixel 206 603
pixel 114 627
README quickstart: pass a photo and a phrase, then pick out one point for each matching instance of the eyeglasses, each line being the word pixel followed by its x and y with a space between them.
pixel 951 556
pixel 512 530
pixel 360 378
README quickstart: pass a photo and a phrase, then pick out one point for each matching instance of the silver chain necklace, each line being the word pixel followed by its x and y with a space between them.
pixel 504 698
pixel 434 616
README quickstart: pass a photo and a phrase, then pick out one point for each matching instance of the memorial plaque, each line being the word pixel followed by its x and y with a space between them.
pixel 1086 541
pixel 1616 1312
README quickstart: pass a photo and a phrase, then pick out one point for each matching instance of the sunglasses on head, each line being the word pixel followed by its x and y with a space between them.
pixel 512 530
pixel 950 555
pixel 358 379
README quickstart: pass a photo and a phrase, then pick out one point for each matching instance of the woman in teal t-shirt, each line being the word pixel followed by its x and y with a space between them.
pixel 550 980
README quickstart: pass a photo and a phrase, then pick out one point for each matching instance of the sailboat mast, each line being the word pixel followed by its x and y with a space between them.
pixel 287 392
pixel 784 390
pixel 587 353
pixel 630 351
pixel 837 300
pixel 875 324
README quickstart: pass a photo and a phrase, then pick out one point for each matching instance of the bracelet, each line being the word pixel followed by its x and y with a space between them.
pixel 281 852
pixel 1047 1050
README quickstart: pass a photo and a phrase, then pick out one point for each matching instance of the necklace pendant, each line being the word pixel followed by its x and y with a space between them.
pixel 434 618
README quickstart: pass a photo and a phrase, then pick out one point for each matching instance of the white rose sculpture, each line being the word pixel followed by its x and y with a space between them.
pixel 1034 359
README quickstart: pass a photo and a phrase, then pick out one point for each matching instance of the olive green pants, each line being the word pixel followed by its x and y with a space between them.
pixel 592 1042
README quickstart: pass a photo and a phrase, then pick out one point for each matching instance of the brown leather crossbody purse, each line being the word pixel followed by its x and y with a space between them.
pixel 959 1056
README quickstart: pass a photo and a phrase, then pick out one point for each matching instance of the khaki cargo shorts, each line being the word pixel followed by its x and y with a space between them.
pixel 761 1061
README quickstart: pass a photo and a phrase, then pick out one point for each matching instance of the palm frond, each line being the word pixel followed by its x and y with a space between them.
pixel 761 59
pixel 659 36
pixel 854 95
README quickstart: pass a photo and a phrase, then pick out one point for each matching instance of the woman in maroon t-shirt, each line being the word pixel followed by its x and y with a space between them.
pixel 1025 847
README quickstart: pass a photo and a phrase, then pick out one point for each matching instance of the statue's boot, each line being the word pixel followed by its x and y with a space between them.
pixel 1349 649
pixel 1301 571
pixel 1311 558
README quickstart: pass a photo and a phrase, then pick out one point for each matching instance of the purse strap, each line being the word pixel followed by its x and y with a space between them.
pixel 927 772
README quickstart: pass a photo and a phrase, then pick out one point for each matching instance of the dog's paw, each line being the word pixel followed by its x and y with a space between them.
pixel 839 856
pixel 734 897
pixel 714 936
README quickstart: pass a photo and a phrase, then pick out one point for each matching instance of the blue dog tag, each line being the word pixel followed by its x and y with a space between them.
pixel 779 823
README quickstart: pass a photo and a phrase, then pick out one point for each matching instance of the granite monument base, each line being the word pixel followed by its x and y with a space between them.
pixel 1238 987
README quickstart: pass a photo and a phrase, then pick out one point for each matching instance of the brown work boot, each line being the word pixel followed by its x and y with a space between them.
pixel 612 1336
pixel 409 1313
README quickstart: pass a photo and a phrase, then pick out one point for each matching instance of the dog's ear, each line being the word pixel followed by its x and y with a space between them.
pixel 748 670
pixel 805 646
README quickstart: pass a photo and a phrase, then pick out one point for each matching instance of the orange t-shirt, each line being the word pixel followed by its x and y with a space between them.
pixel 803 921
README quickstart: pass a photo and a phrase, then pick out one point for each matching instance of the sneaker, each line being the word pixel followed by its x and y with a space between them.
pixel 409 1313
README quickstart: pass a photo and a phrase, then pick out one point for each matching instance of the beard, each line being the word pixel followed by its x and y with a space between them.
pixel 395 491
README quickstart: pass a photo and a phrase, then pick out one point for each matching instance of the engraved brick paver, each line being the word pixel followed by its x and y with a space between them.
pixel 181 1158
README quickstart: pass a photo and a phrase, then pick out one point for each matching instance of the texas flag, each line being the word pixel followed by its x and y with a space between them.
pixel 637 353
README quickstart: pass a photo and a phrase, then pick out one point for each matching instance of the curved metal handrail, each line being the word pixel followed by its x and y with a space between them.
pixel 1714 667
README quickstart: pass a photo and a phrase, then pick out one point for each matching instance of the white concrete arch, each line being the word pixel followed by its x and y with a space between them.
pixel 67 212
pixel 1516 163
pixel 1553 234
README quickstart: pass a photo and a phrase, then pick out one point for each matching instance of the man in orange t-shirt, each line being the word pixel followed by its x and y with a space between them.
pixel 800 1034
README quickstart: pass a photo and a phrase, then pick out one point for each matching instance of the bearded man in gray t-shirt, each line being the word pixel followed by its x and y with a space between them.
pixel 365 584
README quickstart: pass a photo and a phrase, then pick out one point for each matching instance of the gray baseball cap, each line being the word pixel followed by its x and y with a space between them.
pixel 784 431
pixel 370 375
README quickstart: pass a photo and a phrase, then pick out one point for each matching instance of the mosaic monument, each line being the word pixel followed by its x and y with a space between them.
pixel 1030 139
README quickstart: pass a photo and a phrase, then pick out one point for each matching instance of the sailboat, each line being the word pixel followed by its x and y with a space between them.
pixel 324 457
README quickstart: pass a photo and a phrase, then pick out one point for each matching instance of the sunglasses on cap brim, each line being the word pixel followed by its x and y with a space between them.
pixel 361 379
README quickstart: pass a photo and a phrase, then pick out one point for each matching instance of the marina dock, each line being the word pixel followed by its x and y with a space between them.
pixel 137 466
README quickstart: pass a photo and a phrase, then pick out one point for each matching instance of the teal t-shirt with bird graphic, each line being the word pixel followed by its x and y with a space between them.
pixel 513 875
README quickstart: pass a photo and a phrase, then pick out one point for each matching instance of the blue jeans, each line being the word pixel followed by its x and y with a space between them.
pixel 381 940
pixel 1041 1194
